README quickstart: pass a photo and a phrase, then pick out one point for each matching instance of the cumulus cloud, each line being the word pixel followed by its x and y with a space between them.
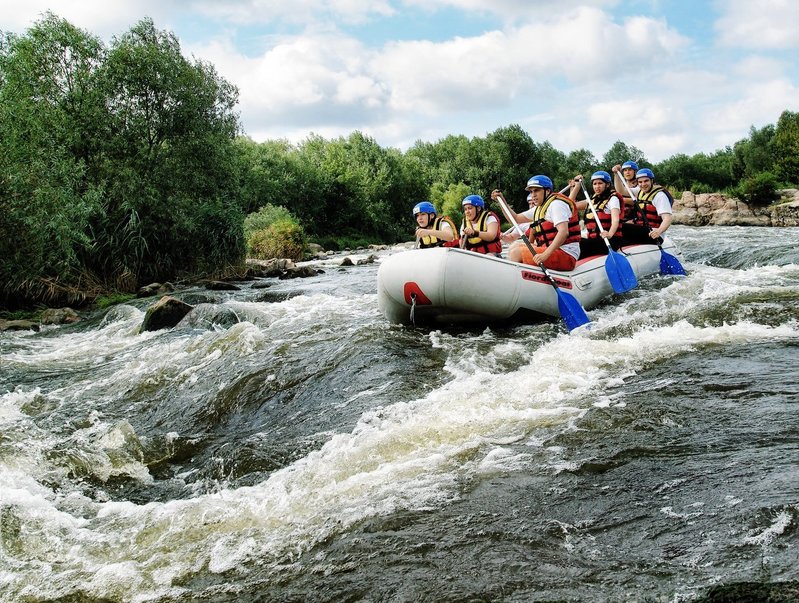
pixel 487 70
pixel 298 12
pixel 94 17
pixel 766 24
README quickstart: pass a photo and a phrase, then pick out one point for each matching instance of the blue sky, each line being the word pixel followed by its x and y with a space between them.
pixel 667 77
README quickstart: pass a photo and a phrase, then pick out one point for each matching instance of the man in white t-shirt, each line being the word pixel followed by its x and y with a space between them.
pixel 555 228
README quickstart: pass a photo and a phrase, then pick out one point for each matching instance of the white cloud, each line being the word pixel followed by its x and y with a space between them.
pixel 298 12
pixel 490 69
pixel 765 24
pixel 98 18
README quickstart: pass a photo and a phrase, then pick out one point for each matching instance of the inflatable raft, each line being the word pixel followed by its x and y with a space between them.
pixel 450 286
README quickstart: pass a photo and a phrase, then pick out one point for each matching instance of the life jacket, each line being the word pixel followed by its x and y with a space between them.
pixel 431 241
pixel 600 203
pixel 545 231
pixel 476 243
pixel 645 212
pixel 628 211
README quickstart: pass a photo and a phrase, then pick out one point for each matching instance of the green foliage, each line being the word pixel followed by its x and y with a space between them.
pixel 112 299
pixel 449 200
pixel 45 199
pixel 265 217
pixel 786 147
pixel 700 173
pixel 118 163
pixel 754 154
pixel 620 152
pixel 760 189
pixel 282 239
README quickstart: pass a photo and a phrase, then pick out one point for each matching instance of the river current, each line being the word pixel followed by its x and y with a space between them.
pixel 289 444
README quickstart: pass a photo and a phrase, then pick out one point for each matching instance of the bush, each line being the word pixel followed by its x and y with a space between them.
pixel 283 239
pixel 760 189
pixel 265 217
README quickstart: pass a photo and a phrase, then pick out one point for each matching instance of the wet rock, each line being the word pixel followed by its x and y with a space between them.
pixel 346 262
pixel 165 314
pixel 208 316
pixel 59 316
pixel 302 272
pixel 260 285
pixel 18 325
pixel 155 289
pixel 221 286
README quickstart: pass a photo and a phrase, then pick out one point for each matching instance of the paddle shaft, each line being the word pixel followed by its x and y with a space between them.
pixel 509 215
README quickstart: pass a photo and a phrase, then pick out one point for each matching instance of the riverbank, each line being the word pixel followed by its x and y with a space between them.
pixel 716 209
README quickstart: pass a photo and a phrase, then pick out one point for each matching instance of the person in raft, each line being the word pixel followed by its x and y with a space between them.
pixel 652 211
pixel 555 227
pixel 480 227
pixel 607 203
pixel 625 174
pixel 433 230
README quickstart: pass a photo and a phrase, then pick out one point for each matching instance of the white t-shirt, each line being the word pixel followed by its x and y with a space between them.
pixel 661 203
pixel 557 213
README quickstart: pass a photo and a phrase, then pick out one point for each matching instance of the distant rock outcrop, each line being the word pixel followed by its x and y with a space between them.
pixel 715 209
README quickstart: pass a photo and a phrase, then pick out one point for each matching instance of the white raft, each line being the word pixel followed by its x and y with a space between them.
pixel 446 286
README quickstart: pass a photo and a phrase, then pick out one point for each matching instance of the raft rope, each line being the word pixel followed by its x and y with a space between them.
pixel 413 308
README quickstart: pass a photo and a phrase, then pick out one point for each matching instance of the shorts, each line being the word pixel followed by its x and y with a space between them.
pixel 559 260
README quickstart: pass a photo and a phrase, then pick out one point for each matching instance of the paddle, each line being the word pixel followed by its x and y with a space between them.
pixel 617 267
pixel 668 263
pixel 463 237
pixel 570 309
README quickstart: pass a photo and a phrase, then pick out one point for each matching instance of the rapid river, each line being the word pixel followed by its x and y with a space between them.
pixel 289 444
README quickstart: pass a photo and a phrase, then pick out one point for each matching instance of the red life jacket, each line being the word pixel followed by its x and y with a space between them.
pixel 476 243
pixel 605 218
pixel 545 231
pixel 645 212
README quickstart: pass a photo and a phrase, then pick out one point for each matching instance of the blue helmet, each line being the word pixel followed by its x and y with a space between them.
pixel 601 175
pixel 645 173
pixel 540 182
pixel 475 200
pixel 425 207
pixel 629 164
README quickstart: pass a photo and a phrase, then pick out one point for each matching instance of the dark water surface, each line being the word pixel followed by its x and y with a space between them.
pixel 288 444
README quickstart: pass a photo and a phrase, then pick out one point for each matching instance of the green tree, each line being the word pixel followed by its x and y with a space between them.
pixel 786 146
pixel 169 165
pixel 620 152
pixel 47 105
pixel 754 154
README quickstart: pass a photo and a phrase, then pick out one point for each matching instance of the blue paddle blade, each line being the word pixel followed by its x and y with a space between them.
pixel 619 272
pixel 670 265
pixel 571 311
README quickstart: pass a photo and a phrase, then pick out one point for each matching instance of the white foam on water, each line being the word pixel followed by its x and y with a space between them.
pixel 782 521
pixel 408 455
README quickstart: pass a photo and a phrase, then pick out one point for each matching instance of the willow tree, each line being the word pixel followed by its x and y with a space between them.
pixel 169 161
pixel 48 106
